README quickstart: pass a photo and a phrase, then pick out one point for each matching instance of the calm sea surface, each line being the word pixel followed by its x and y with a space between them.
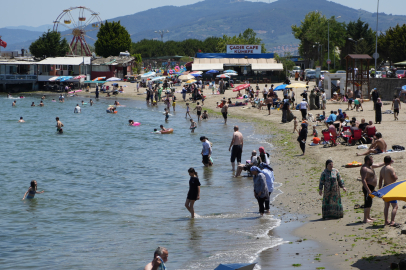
pixel 113 193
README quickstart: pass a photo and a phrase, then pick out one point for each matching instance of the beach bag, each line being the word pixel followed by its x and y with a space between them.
pixel 398 147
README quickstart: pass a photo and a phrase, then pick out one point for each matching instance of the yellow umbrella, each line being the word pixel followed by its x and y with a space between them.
pixel 191 81
pixel 186 77
pixel 296 85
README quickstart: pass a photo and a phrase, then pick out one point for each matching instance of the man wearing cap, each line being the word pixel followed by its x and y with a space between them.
pixel 375 96
pixel 304 94
pixel 206 152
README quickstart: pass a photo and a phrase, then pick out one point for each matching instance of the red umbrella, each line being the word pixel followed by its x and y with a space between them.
pixel 241 87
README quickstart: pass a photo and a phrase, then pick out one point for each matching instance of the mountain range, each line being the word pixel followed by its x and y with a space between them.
pixel 271 21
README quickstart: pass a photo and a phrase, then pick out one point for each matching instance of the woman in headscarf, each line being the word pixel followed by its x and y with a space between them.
pixel 263 155
pixel 378 111
pixel 302 137
pixel 260 188
pixel 268 171
pixel 331 181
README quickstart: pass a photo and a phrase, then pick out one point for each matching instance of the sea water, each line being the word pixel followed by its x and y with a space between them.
pixel 114 193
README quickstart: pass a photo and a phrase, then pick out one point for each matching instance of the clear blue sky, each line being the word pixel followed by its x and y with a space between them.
pixel 40 12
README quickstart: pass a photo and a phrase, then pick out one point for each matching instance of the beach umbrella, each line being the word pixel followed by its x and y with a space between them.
pixel 212 71
pixel 231 74
pixel 66 78
pixel 99 79
pixel 53 78
pixel 191 81
pixel 112 79
pixel 229 71
pixel 196 74
pixel 280 87
pixel 158 79
pixel 222 76
pixel 296 85
pixel 392 192
pixel 241 87
pixel 403 87
pixel 79 77
pixel 236 266
pixel 186 77
pixel 148 74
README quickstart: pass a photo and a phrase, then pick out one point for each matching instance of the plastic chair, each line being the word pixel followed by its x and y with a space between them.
pixel 371 131
pixel 355 138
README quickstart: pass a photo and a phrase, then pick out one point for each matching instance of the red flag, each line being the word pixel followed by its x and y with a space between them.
pixel 3 43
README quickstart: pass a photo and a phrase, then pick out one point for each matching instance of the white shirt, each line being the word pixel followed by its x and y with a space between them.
pixel 323 96
pixel 77 109
pixel 303 105
pixel 265 90
pixel 206 148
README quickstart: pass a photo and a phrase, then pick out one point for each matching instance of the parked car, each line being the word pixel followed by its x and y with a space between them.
pixel 310 75
pixel 401 74
pixel 341 71
pixel 378 74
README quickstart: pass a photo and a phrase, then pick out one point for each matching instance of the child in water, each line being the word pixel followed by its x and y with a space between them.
pixel 194 191
pixel 32 190
pixel 187 110
pixel 166 115
pixel 193 125
pixel 205 115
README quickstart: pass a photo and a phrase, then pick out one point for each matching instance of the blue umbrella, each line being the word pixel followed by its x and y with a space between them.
pixel 229 71
pixel 404 87
pixel 280 87
pixel 196 75
pixel 236 266
pixel 65 78
pixel 212 71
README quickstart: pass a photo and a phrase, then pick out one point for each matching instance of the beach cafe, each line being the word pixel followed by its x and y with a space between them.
pixel 247 60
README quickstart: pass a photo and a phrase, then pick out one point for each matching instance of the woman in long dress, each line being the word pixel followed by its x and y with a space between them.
pixel 378 111
pixel 331 181
pixel 261 192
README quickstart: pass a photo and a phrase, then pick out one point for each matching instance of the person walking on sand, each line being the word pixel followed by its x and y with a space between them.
pixel 194 192
pixel 302 137
pixel 388 176
pixel 369 182
pixel 32 190
pixel 261 192
pixel 237 144
pixel 396 106
pixel 59 124
pixel 331 181
pixel 160 258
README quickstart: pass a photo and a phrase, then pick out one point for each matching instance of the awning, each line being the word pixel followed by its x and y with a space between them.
pixel 208 66
pixel 266 67
pixel 74 61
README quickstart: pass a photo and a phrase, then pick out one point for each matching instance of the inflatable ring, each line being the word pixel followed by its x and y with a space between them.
pixel 168 131
pixel 136 124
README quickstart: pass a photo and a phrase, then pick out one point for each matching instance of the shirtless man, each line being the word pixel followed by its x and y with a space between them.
pixel 396 106
pixel 268 103
pixel 349 95
pixel 378 145
pixel 91 102
pixel 199 109
pixel 21 120
pixel 59 124
pixel 369 182
pixel 160 253
pixel 41 104
pixel 237 144
pixel 224 111
pixel 388 176
pixel 162 128
pixel 14 103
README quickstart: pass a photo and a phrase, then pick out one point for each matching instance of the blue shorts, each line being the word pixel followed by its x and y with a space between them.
pixel 393 202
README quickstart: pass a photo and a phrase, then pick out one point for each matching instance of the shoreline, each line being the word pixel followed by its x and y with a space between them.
pixel 345 243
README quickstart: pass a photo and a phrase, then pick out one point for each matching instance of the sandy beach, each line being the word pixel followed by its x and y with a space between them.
pixel 345 243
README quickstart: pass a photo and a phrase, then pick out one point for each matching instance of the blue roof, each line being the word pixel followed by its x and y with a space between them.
pixel 225 55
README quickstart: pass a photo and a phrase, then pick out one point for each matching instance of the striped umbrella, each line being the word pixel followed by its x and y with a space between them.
pixel 223 76
pixel 392 192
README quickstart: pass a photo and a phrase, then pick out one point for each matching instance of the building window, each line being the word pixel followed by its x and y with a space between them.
pixel 101 68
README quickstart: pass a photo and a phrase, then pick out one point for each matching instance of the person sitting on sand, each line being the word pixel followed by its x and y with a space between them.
pixel 32 190
pixel 331 118
pixel 363 125
pixel 21 120
pixel 378 146
pixel 162 128
pixel 333 131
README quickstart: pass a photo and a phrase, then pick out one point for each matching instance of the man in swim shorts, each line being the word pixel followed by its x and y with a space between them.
pixel 396 107
pixel 224 111
pixel 350 99
pixel 237 144
pixel 59 124
pixel 388 175
pixel 369 182
pixel 198 108
pixel 378 146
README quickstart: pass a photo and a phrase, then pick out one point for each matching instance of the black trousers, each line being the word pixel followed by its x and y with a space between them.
pixel 261 203
pixel 303 146
pixel 267 201
pixel 304 113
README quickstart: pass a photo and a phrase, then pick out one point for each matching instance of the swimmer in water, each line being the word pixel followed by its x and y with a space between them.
pixel 162 128
pixel 77 109
pixel 91 102
pixel 59 124
pixel 166 115
pixel 32 190
pixel 205 115
pixel 32 104
pixel 14 103
pixel 43 97
pixel 111 109
pixel 193 125
pixel 83 103
pixel 53 100
pixel 131 122
pixel 41 104
pixel 156 131
pixel 21 120
pixel 116 103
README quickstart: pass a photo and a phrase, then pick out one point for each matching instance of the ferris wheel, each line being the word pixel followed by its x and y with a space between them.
pixel 80 21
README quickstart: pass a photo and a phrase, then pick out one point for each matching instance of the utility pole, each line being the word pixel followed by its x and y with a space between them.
pixel 161 33
pixel 376 55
